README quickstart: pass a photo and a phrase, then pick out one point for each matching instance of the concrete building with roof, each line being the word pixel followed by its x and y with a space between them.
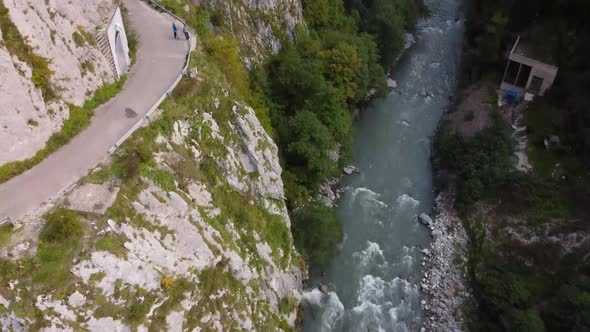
pixel 528 72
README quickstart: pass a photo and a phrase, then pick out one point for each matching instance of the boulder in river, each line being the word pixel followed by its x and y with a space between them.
pixel 350 169
pixel 391 83
pixel 425 219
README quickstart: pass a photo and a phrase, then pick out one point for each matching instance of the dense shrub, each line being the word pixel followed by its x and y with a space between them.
pixel 61 226
pixel 160 178
pixel 59 242
pixel 523 321
pixel 387 21
pixel 482 164
pixel 317 233
pixel 502 290
pixel 570 308
pixel 224 51
pixel 78 39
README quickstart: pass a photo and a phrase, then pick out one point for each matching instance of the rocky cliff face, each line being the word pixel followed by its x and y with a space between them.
pixel 257 24
pixel 60 31
pixel 172 256
pixel 184 229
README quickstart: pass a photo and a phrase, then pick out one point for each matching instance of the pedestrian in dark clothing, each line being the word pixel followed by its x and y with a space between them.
pixel 185 30
pixel 174 29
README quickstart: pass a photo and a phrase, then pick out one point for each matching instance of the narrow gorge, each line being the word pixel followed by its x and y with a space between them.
pixel 161 198
pixel 375 283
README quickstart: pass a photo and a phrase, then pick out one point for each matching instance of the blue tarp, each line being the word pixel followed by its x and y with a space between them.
pixel 511 97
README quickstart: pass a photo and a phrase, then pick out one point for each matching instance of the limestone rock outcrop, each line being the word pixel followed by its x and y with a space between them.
pixel 62 32
pixel 257 23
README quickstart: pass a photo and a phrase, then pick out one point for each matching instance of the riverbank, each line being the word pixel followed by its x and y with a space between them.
pixel 445 280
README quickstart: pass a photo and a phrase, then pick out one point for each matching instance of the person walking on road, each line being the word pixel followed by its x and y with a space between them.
pixel 174 29
pixel 185 30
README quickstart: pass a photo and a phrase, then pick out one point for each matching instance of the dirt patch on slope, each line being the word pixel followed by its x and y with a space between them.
pixel 474 111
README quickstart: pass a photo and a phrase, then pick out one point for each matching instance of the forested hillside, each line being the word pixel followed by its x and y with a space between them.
pixel 529 254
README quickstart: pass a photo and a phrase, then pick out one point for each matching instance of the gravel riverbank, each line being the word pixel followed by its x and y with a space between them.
pixel 445 280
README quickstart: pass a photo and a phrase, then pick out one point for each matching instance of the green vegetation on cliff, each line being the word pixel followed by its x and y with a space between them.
pixel 306 95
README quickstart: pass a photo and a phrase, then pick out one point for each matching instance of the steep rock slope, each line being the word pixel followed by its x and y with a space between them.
pixel 196 236
pixel 62 32
pixel 257 24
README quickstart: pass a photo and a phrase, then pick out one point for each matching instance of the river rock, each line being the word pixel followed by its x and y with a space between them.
pixel 425 219
pixel 391 83
pixel 328 193
pixel 350 169
pixel 445 282
pixel 436 234
pixel 426 252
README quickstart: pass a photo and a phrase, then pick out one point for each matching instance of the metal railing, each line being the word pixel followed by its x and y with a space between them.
pixel 168 92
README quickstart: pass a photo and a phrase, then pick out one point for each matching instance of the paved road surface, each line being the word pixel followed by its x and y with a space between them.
pixel 160 59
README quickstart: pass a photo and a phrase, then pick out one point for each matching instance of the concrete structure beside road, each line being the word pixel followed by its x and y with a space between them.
pixel 112 41
pixel 526 73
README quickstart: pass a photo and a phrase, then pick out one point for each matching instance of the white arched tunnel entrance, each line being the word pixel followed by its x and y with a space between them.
pixel 118 43
pixel 120 52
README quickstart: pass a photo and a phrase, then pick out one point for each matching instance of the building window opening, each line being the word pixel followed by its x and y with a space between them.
pixel 512 72
pixel 523 76
pixel 536 84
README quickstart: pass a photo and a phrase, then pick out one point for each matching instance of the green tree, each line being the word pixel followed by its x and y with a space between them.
pixel 387 20
pixel 317 233
pixel 329 107
pixel 322 13
pixel 295 79
pixel 570 309
pixel 343 69
pixel 501 290
pixel 371 73
pixel 308 148
pixel 523 321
